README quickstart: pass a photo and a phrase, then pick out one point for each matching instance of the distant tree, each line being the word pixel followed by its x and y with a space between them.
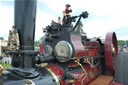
pixel 37 43
pixel 122 42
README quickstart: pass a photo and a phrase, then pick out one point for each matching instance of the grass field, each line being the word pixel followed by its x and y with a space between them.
pixel 5 66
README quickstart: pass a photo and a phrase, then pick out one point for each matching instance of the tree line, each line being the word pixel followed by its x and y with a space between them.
pixel 122 42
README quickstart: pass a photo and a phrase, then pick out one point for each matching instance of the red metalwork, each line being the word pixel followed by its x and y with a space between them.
pixel 78 46
pixel 111 50
pixel 91 52
pixel 92 48
pixel 41 48
pixel 80 77
pixel 58 71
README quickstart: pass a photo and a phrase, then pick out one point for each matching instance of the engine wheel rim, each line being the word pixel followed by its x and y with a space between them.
pixel 111 50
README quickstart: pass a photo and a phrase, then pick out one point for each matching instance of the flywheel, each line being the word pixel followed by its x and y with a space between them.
pixel 111 50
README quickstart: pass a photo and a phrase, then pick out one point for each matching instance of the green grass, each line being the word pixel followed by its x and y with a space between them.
pixel 5 66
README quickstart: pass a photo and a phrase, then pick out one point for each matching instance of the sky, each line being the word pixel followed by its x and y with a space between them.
pixel 104 16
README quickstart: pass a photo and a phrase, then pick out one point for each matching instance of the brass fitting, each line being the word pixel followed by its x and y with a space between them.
pixel 1 70
pixel 70 81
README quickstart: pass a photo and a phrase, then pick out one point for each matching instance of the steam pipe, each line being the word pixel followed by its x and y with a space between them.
pixel 44 59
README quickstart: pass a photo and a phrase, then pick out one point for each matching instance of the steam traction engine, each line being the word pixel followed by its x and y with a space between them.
pixel 67 57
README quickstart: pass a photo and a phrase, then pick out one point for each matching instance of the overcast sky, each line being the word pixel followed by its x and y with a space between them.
pixel 104 16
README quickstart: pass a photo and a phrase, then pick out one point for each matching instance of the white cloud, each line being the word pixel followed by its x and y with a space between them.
pixel 104 16
pixel 42 20
pixel 6 21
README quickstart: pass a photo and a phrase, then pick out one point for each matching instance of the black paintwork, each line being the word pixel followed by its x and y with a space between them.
pixel 44 78
pixel 25 16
